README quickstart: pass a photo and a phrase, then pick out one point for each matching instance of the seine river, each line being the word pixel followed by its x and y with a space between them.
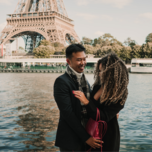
pixel 29 115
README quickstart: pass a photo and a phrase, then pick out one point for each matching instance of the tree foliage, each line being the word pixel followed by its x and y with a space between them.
pixel 86 40
pixel 146 50
pixel 89 49
pixel 45 43
pixel 57 44
pixel 106 40
pixel 126 51
pixel 130 42
pixel 149 38
pixel 101 46
pixel 43 51
pixel 46 48
pixel 59 48
pixel 21 48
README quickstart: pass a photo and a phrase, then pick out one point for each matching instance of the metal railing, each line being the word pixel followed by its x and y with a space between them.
pixel 87 68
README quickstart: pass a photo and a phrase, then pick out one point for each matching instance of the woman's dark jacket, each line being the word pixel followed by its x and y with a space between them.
pixel 108 114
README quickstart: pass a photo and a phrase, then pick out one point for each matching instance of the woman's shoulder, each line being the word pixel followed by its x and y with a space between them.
pixel 95 89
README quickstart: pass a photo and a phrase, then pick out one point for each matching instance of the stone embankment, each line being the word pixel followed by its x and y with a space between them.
pixel 38 71
pixel 44 71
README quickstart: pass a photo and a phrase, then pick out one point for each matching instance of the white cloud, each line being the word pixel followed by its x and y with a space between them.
pixel 87 16
pixel 2 25
pixel 83 2
pixel 147 15
pixel 99 33
pixel 106 17
pixel 7 2
pixel 115 3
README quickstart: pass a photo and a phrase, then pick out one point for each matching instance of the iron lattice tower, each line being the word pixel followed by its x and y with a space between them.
pixel 35 20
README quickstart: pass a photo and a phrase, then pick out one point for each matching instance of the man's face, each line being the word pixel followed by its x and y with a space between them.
pixel 77 61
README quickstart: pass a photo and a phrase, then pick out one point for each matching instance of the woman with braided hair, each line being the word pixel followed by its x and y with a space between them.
pixel 108 95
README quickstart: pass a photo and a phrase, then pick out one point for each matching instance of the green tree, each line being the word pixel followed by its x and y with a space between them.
pixel 146 50
pixel 107 36
pixel 95 42
pixel 135 52
pixel 89 49
pixel 130 42
pixel 86 40
pixel 45 43
pixel 21 48
pixel 57 44
pixel 43 51
pixel 125 54
pixel 103 51
pixel 115 42
pixel 143 51
pixel 107 40
pixel 149 46
pixel 63 51
pixel 149 38
pixel 59 48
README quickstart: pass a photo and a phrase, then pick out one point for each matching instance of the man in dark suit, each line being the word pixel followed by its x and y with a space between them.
pixel 71 133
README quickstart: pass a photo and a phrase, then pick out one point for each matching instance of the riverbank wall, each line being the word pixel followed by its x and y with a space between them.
pixel 90 71
pixel 53 65
pixel 39 71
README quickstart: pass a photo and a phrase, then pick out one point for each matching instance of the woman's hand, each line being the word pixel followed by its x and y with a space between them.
pixel 117 115
pixel 80 95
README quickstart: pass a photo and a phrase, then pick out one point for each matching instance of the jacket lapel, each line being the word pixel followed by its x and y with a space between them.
pixel 77 101
pixel 74 84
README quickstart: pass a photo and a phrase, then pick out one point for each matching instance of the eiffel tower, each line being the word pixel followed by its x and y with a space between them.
pixel 34 20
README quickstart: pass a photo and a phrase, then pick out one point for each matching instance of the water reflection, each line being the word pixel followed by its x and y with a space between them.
pixel 36 114
pixel 37 124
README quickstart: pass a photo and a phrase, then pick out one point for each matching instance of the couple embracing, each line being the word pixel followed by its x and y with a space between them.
pixel 78 103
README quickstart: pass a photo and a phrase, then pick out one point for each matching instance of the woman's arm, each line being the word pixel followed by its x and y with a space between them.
pixel 107 113
pixel 98 93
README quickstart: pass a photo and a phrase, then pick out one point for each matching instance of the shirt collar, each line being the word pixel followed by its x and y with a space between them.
pixel 78 75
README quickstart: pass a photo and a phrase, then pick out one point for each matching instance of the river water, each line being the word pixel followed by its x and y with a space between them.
pixel 29 115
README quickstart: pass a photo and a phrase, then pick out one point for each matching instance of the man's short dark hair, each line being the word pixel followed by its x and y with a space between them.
pixel 74 48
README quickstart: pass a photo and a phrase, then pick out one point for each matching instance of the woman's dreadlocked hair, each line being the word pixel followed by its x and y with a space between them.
pixel 114 77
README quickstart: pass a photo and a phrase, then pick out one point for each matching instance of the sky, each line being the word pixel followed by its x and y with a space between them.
pixel 93 18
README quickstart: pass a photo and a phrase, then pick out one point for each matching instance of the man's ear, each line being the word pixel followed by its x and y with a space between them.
pixel 68 61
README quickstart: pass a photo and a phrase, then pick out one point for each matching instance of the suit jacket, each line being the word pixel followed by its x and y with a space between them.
pixel 70 133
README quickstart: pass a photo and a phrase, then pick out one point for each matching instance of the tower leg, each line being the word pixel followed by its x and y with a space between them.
pixel 16 43
pixel 34 41
pixel 8 48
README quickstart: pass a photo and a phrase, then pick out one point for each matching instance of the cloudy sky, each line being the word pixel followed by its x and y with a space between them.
pixel 93 18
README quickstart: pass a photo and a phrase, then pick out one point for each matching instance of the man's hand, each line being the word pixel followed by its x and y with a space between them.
pixel 94 143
